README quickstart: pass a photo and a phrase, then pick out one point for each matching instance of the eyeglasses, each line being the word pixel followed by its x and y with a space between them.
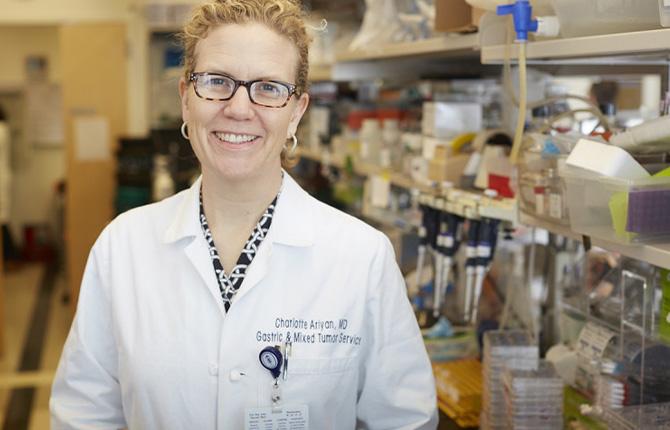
pixel 218 87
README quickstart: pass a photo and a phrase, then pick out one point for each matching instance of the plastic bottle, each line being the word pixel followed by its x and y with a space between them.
pixel 370 137
pixel 389 152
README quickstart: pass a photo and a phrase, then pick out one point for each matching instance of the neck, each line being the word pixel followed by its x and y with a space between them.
pixel 237 204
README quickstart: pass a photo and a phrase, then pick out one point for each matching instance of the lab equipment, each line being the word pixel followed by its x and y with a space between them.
pixel 618 209
pixel 513 349
pixel 534 398
pixel 427 234
pixel 580 18
pixel 440 253
pixel 450 241
pixel 654 416
pixel 486 243
pixel 470 266
pixel 459 390
pixel 652 135
pixel 607 160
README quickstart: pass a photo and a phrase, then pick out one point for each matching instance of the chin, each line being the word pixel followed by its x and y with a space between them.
pixel 244 169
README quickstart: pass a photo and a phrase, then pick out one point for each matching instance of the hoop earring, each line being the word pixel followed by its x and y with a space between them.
pixel 295 144
pixel 184 131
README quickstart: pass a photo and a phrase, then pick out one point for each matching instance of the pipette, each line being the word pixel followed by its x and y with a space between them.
pixel 470 265
pixel 488 234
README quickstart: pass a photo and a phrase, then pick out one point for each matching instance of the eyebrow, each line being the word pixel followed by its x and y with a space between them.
pixel 261 78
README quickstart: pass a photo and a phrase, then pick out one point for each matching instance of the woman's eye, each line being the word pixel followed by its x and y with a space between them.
pixel 218 82
pixel 269 88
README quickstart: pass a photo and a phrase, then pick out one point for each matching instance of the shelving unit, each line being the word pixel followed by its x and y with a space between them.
pixel 320 72
pixel 652 44
pixel 367 169
pixel 448 45
pixel 656 254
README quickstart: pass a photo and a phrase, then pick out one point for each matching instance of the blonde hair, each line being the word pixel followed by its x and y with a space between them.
pixel 285 17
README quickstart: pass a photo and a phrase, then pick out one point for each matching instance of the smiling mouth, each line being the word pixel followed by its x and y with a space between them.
pixel 236 139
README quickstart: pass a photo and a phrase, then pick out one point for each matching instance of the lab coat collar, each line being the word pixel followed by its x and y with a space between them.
pixel 186 222
pixel 292 224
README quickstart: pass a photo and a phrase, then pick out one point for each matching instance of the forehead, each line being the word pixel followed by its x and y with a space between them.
pixel 247 51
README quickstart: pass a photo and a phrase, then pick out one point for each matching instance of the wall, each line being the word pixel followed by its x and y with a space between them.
pixel 62 11
pixel 35 170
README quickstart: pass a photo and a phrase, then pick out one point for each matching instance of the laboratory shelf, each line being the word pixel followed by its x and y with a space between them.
pixel 447 45
pixel 656 254
pixel 366 169
pixel 647 43
pixel 320 72
pixel 551 227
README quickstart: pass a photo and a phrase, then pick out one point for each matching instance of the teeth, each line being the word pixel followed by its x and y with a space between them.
pixel 235 138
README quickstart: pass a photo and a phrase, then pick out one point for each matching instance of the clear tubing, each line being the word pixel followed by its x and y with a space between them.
pixel 521 114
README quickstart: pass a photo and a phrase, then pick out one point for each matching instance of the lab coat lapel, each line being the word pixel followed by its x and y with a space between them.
pixel 185 227
pixel 198 253
pixel 292 225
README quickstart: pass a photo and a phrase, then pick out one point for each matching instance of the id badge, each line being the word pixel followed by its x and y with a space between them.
pixel 290 417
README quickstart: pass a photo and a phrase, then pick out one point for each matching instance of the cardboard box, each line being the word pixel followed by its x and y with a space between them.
pixel 446 120
pixel 450 169
pixel 456 16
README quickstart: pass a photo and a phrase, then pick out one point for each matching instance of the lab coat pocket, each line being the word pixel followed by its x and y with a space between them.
pixel 318 366
pixel 327 385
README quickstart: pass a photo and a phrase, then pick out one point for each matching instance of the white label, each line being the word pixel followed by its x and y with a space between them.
pixel 483 251
pixel 539 204
pixel 666 3
pixel 593 341
pixel 555 206
pixel 284 418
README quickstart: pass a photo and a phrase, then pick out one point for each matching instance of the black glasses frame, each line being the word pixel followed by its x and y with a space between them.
pixel 193 77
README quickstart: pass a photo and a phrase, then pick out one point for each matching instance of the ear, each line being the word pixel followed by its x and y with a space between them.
pixel 298 111
pixel 183 94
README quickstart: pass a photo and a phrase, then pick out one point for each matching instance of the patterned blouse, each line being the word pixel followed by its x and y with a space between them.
pixel 230 283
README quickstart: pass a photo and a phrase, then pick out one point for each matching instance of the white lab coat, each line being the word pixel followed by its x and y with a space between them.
pixel 151 346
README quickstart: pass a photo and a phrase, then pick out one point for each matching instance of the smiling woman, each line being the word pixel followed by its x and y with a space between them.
pixel 179 298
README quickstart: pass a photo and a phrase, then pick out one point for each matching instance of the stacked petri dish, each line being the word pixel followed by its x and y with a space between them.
pixel 534 398
pixel 511 349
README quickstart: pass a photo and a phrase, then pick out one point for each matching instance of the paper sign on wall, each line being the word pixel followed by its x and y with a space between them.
pixel 91 138
pixel 44 115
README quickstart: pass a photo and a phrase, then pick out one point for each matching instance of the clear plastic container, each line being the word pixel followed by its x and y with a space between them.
pixel 619 210
pixel 542 193
pixel 664 12
pixel 586 18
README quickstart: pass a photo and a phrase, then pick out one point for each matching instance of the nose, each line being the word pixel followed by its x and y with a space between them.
pixel 239 106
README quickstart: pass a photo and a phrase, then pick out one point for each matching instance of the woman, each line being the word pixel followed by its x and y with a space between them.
pixel 183 301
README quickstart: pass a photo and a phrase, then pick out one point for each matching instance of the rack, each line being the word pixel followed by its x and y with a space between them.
pixel 366 169
pixel 448 45
pixel 656 254
pixel 320 72
pixel 652 44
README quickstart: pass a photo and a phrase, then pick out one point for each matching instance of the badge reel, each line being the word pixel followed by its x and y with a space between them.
pixel 272 359
pixel 275 360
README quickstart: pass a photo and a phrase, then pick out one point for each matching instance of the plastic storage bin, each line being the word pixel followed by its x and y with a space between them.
pixel 590 17
pixel 619 210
